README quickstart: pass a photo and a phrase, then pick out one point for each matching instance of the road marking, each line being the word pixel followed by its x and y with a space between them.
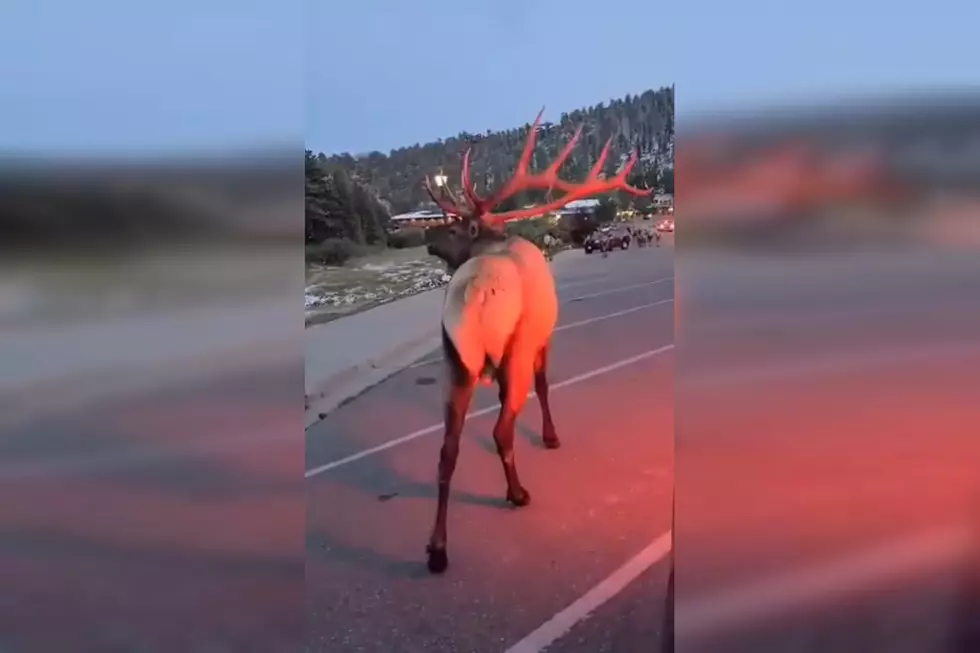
pixel 600 318
pixel 610 291
pixel 585 376
pixel 584 282
pixel 570 325
pixel 824 583
pixel 559 625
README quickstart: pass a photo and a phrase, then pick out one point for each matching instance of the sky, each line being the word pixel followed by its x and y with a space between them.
pixel 417 71
pixel 186 75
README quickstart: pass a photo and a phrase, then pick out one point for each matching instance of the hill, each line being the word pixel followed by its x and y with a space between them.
pixel 352 196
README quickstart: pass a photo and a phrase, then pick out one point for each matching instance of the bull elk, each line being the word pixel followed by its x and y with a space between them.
pixel 500 310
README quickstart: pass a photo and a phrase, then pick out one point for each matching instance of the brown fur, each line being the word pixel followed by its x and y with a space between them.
pixel 501 309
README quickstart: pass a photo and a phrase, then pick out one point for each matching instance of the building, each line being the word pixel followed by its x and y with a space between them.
pixel 422 219
pixel 663 203
pixel 433 217
pixel 579 207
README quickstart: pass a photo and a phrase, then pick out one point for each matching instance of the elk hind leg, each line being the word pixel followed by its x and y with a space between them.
pixel 461 385
pixel 514 381
pixel 548 433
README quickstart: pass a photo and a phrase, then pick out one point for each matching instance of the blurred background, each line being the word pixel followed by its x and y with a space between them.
pixel 828 280
pixel 827 312
pixel 152 367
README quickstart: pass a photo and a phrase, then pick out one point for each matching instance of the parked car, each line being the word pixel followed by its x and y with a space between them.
pixel 608 238
pixel 594 242
pixel 620 238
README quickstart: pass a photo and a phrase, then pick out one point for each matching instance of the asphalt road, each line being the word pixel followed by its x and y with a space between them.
pixel 599 502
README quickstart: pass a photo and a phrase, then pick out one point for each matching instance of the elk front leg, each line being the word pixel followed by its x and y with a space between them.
pixel 460 395
pixel 515 384
pixel 548 433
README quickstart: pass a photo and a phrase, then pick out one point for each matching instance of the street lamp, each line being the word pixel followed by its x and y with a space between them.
pixel 442 184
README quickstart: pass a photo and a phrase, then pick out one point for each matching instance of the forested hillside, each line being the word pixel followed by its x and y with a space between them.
pixel 352 197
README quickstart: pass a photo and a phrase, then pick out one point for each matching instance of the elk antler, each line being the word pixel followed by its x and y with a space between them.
pixel 548 180
pixel 448 202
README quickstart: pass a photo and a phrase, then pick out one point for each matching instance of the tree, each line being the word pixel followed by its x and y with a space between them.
pixel 606 211
pixel 338 207
pixel 350 197
pixel 641 122
pixel 370 219
pixel 343 196
pixel 322 219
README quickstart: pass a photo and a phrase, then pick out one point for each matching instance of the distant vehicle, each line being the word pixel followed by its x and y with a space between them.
pixel 620 238
pixel 665 225
pixel 606 239
pixel 594 242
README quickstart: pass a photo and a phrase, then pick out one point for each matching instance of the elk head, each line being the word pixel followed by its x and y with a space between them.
pixel 473 224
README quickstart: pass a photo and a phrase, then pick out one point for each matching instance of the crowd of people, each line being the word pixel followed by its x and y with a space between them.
pixel 604 241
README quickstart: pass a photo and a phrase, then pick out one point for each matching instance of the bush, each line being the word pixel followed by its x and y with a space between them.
pixel 573 229
pixel 606 211
pixel 332 251
pixel 406 238
pixel 564 233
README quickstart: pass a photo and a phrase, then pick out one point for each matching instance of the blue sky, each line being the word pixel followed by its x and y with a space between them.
pixel 421 70
pixel 144 77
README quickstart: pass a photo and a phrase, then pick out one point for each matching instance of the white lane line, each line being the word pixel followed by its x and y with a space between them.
pixel 585 376
pixel 767 599
pixel 600 318
pixel 559 625
pixel 584 282
pixel 610 291
pixel 570 325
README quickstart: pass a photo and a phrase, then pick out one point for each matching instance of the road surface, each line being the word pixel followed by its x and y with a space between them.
pixel 826 459
pixel 595 527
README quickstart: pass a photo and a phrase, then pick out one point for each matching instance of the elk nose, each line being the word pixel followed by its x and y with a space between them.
pixel 430 249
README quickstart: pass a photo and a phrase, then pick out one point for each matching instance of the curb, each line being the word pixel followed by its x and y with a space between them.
pixel 332 392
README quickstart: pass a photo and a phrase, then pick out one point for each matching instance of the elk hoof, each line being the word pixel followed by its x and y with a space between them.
pixel 520 498
pixel 438 560
pixel 552 442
